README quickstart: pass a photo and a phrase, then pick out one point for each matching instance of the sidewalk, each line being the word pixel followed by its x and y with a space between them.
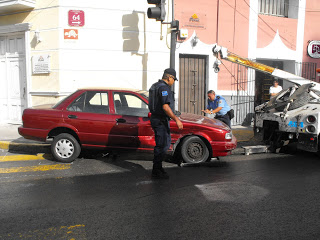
pixel 10 138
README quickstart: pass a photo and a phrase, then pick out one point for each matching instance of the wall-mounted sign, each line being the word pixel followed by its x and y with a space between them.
pixel 193 20
pixel 76 18
pixel 314 49
pixel 71 34
pixel 41 64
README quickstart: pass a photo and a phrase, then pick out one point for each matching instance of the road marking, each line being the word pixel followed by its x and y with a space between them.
pixel 15 158
pixel 41 168
pixel 64 232
pixel 4 145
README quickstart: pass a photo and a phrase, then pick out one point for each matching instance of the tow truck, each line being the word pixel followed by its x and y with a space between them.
pixel 293 115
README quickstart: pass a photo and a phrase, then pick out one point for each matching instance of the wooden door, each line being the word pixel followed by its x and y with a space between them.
pixel 192 83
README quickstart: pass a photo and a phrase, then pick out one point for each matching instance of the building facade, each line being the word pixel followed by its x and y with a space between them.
pixel 276 33
pixel 49 48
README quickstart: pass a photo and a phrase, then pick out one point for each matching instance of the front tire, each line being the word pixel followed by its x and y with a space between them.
pixel 194 150
pixel 65 148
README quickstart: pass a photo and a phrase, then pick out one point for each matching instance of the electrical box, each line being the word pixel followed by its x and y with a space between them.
pixel 183 33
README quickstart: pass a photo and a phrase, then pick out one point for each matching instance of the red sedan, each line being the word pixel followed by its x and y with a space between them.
pixel 118 119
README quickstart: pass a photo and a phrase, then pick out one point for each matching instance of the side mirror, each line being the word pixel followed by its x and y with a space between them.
pixel 149 115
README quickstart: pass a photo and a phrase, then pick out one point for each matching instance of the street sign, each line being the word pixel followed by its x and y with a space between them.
pixel 76 18
pixel 71 34
pixel 41 64
pixel 314 49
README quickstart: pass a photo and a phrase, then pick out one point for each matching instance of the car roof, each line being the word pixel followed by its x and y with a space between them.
pixel 111 88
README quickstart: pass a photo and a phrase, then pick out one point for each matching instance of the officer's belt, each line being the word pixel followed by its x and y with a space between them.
pixel 162 117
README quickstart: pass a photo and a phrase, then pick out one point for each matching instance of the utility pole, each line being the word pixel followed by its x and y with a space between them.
pixel 173 44
pixel 159 14
pixel 174 31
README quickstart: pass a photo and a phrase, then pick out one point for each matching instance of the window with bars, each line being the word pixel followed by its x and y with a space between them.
pixel 307 70
pixel 277 8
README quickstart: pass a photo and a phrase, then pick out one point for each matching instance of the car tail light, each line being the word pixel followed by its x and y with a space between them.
pixel 228 136
pixel 311 119
pixel 311 129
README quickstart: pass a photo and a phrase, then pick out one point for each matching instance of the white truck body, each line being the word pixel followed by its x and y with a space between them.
pixel 292 115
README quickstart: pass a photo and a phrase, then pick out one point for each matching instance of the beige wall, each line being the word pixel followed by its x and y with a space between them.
pixel 45 18
pixel 101 55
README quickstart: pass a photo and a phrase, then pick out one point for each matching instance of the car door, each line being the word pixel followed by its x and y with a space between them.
pixel 132 129
pixel 89 114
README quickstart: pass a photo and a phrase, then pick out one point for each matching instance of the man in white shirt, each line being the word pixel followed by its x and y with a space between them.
pixel 275 89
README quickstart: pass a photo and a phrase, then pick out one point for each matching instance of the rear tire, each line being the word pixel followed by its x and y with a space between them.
pixel 65 148
pixel 194 150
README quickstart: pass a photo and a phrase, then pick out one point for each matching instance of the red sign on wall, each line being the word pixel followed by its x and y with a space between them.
pixel 76 18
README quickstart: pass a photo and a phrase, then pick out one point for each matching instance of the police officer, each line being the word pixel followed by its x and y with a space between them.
pixel 161 104
pixel 218 105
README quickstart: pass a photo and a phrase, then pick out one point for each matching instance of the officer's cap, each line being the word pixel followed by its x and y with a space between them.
pixel 172 72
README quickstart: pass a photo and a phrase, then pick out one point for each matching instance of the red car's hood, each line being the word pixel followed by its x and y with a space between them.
pixel 201 120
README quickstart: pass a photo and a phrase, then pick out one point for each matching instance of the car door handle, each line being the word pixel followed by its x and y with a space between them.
pixel 120 120
pixel 72 116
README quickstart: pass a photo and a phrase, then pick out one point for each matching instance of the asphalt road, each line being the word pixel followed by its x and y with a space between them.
pixel 263 196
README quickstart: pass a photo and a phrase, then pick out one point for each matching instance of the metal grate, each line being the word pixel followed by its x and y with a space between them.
pixel 242 99
pixel 277 8
pixel 307 70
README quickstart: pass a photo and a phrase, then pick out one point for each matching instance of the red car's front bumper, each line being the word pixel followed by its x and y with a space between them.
pixel 223 148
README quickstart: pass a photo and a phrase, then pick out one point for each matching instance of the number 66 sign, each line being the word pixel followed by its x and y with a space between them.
pixel 76 18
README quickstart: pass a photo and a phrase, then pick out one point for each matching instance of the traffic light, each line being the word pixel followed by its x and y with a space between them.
pixel 130 32
pixel 158 12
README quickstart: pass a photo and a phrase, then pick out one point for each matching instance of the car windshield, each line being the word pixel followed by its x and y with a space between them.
pixel 62 100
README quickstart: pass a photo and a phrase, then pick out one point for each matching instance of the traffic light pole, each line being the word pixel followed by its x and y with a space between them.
pixel 173 51
pixel 159 13
pixel 173 42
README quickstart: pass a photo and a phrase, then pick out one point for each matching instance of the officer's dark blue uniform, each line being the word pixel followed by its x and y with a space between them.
pixel 160 94
pixel 222 115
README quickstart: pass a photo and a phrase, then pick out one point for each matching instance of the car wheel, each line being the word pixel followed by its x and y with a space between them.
pixel 65 148
pixel 194 150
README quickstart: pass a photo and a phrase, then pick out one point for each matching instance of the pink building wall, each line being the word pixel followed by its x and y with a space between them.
pixel 311 31
pixel 207 13
pixel 225 23
pixel 268 26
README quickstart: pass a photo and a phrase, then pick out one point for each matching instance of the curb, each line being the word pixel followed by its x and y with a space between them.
pixel 36 148
pixel 25 147
pixel 243 135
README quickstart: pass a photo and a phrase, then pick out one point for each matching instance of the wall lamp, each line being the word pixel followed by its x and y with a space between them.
pixel 37 36
pixel 194 41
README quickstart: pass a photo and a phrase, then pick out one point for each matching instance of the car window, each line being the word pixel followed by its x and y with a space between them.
pixel 93 102
pixel 78 104
pixel 96 102
pixel 63 99
pixel 130 104
pixel 99 99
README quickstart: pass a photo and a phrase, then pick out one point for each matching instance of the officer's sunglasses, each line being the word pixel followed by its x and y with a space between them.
pixel 173 78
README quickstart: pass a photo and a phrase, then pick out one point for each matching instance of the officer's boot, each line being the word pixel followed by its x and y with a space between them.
pixel 158 172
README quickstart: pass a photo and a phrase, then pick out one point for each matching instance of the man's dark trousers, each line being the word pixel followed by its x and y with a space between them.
pixel 224 118
pixel 161 128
